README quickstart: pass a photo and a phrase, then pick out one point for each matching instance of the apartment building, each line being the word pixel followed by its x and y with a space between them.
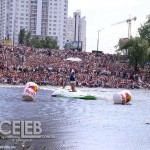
pixel 40 17
pixel 76 29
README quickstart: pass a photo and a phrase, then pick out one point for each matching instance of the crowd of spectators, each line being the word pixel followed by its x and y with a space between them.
pixel 21 64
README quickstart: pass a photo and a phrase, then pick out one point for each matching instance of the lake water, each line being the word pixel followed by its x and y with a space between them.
pixel 75 124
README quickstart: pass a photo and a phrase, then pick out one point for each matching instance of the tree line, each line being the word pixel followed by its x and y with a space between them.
pixel 25 38
pixel 137 50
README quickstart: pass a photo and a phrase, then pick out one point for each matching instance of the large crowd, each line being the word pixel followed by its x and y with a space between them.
pixel 21 64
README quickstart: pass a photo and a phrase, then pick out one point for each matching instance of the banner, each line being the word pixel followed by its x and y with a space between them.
pixel 6 42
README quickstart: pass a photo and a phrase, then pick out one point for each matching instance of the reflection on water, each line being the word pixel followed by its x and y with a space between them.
pixel 74 124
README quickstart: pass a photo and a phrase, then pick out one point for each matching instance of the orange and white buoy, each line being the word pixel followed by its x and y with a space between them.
pixel 30 91
pixel 122 97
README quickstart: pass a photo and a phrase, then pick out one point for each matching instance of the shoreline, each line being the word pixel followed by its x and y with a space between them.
pixel 50 87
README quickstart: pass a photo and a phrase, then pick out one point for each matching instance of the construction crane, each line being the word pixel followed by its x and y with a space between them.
pixel 129 25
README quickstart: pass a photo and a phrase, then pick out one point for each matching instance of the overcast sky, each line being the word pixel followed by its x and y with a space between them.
pixel 102 13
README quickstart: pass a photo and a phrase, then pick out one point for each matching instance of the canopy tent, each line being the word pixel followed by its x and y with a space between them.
pixel 74 59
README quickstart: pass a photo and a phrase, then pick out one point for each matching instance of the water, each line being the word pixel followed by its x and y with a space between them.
pixel 75 124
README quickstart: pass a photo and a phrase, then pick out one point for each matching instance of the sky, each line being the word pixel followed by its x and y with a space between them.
pixel 101 14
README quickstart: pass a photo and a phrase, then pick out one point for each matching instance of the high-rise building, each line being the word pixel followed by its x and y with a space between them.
pixel 76 29
pixel 40 17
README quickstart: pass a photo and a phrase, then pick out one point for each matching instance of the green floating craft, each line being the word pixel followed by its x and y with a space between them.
pixel 66 93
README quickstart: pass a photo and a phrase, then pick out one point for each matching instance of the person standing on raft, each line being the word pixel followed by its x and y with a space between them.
pixel 72 80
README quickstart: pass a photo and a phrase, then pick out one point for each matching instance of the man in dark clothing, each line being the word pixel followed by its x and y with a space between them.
pixel 72 80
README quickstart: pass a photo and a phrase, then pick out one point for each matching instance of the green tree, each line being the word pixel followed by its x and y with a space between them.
pixel 35 42
pixel 137 51
pixel 123 45
pixel 42 41
pixel 144 30
pixel 50 43
pixel 28 38
pixel 148 57
pixel 54 43
pixel 22 36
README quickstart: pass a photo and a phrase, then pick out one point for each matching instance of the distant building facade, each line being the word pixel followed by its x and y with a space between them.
pixel 40 17
pixel 76 30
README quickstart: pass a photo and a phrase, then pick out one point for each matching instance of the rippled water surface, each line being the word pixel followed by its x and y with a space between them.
pixel 75 124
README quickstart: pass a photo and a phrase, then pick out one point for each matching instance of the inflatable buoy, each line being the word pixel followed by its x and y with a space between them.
pixel 30 91
pixel 122 97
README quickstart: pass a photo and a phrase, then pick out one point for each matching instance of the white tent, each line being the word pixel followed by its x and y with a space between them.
pixel 74 59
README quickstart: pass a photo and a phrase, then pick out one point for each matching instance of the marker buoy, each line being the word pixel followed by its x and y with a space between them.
pixel 30 91
pixel 122 97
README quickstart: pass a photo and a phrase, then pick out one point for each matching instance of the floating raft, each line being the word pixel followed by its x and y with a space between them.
pixel 67 93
